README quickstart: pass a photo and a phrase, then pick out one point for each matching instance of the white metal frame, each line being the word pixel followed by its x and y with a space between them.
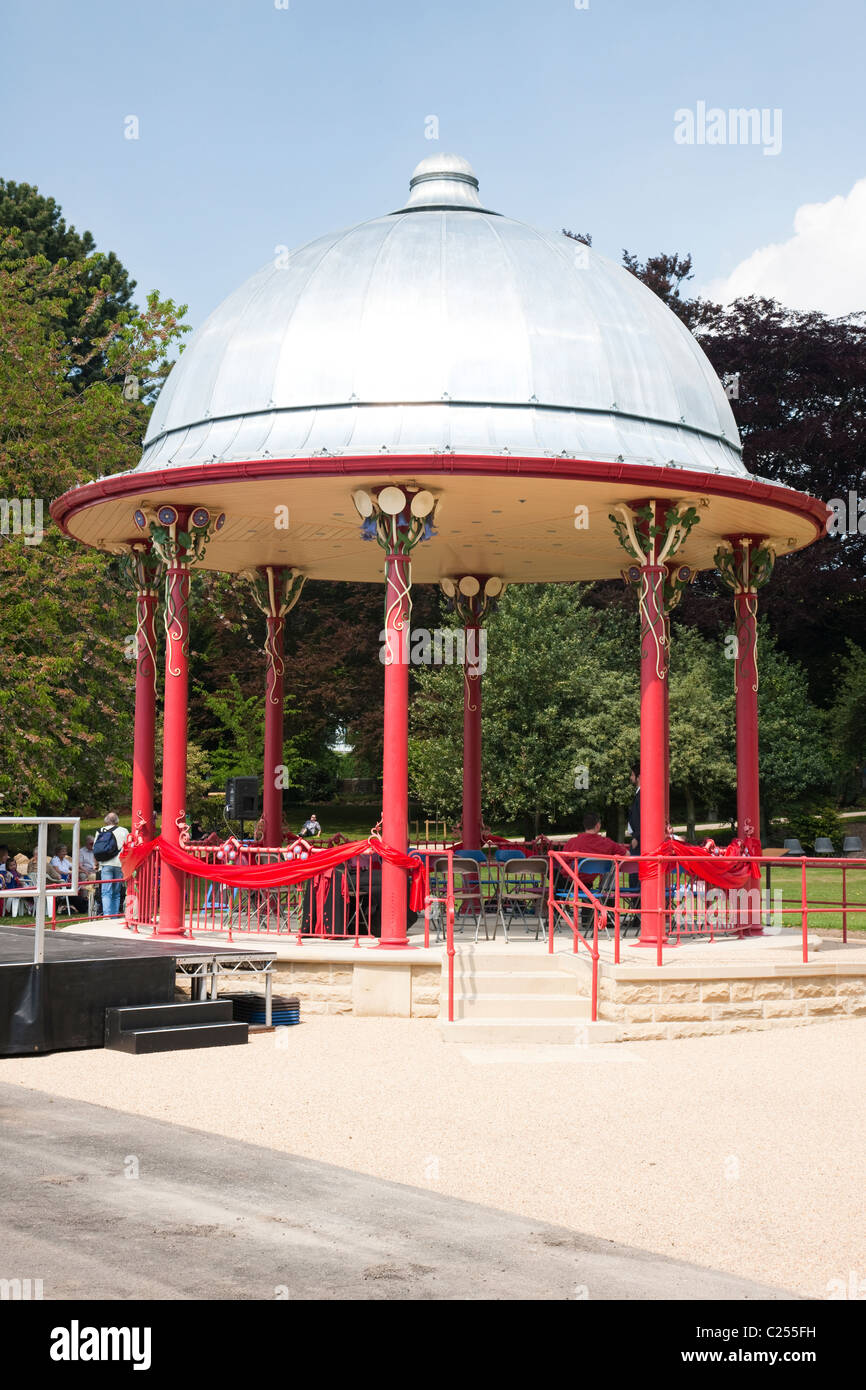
pixel 40 892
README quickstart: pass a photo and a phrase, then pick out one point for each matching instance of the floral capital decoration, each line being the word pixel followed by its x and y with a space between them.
pixel 659 584
pixel 275 590
pixel 745 566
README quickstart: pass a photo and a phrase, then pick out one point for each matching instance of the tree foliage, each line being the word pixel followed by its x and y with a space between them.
pixel 40 230
pixel 561 717
pixel 66 695
pixel 848 719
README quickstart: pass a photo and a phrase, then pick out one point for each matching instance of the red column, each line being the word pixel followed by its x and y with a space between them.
pixel 275 589
pixel 746 683
pixel 172 881
pixel 472 739
pixel 146 572
pixel 745 565
pixel 272 795
pixel 653 750
pixel 667 725
pixel 395 759
pixel 746 689
pixel 651 533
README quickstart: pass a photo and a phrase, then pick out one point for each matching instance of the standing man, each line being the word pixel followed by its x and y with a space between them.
pixel 106 850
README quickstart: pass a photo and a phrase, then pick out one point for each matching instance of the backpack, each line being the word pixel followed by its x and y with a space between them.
pixel 105 846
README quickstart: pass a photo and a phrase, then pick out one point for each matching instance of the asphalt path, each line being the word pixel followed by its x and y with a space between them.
pixel 99 1204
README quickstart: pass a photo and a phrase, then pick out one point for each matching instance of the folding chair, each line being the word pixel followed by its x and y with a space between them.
pixel 522 888
pixel 469 895
pixel 438 891
pixel 604 873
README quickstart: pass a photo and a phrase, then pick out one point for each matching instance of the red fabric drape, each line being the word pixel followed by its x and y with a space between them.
pixel 730 868
pixel 280 874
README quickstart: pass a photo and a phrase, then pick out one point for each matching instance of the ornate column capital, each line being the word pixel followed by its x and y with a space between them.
pixel 275 589
pixel 398 518
pixel 473 597
pixel 650 536
pixel 745 564
pixel 142 565
pixel 179 535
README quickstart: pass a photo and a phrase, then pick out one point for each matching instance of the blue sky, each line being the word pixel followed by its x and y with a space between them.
pixel 261 126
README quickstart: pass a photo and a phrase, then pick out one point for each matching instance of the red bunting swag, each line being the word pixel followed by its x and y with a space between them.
pixel 279 874
pixel 729 868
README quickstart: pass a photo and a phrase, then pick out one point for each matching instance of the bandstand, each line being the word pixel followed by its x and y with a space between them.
pixel 462 400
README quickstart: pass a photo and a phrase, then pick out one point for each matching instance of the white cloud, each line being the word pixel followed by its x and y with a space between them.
pixel 822 266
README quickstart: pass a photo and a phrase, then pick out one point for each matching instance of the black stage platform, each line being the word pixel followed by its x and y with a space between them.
pixel 61 1003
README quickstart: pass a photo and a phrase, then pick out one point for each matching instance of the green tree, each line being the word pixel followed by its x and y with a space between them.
pixel 66 697
pixel 794 754
pixel 559 712
pixel 561 716
pixel 236 735
pixel 701 723
pixel 848 719
pixel 41 230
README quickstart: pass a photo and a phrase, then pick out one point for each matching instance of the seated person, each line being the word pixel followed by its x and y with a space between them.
pixel 12 876
pixel 591 844
pixel 86 861
pixel 311 827
pixel 8 873
pixel 62 863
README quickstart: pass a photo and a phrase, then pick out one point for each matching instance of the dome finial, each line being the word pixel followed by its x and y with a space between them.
pixel 443 181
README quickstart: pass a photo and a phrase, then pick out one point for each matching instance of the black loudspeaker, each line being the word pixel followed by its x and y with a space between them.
pixel 242 798
pixel 337 916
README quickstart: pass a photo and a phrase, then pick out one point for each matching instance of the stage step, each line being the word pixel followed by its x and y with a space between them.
pixel 516 997
pixel 172 1027
pixel 509 959
pixel 523 981
pixel 511 1005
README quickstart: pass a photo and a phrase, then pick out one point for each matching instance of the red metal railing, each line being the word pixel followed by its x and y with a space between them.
pixel 439 901
pixel 577 895
pixel 339 904
pixel 695 909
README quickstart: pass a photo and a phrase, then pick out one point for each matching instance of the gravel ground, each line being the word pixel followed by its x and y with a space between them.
pixel 744 1153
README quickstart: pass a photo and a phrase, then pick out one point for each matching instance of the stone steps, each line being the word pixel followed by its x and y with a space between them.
pixel 507 961
pixel 524 981
pixel 514 997
pixel 511 1006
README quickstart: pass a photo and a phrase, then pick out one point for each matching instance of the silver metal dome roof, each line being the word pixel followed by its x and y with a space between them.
pixel 444 327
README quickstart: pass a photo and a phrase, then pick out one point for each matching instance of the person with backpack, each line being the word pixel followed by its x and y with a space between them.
pixel 106 851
